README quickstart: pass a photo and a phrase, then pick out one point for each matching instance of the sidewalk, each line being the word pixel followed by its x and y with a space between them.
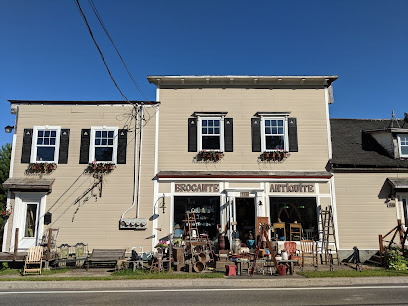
pixel 277 282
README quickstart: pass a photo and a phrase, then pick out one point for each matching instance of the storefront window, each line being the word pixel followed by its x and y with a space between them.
pixel 206 209
pixel 290 212
pixel 30 220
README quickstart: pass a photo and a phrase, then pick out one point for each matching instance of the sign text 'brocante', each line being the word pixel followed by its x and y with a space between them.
pixel 197 187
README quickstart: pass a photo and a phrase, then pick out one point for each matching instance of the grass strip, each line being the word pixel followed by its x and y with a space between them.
pixel 119 275
pixel 353 273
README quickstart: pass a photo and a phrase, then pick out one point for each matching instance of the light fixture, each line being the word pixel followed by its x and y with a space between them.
pixel 286 206
pixel 8 129
pixel 301 206
pixel 163 204
pixel 260 203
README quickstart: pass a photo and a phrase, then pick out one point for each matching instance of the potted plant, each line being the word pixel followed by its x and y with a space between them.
pixel 5 214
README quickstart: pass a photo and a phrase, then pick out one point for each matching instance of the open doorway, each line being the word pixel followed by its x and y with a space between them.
pixel 245 217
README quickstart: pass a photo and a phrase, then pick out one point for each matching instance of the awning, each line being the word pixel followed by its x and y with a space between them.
pixel 29 184
pixel 246 174
pixel 398 183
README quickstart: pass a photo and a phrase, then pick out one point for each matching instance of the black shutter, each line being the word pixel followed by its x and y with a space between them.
pixel 192 134
pixel 292 133
pixel 64 144
pixel 256 134
pixel 122 145
pixel 84 150
pixel 27 141
pixel 228 135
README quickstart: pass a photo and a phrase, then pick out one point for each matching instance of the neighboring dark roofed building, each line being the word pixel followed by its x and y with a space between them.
pixel 352 148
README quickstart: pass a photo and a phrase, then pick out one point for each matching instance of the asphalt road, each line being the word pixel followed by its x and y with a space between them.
pixel 343 295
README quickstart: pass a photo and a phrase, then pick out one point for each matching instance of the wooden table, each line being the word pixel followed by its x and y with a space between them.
pixel 290 264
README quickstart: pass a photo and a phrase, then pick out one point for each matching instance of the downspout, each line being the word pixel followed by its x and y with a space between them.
pixel 136 198
pixel 140 160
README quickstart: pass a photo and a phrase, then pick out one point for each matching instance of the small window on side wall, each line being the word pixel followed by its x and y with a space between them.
pixel 45 146
pixel 103 146
pixel 403 145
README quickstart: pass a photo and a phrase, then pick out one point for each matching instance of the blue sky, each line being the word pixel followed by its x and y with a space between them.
pixel 46 52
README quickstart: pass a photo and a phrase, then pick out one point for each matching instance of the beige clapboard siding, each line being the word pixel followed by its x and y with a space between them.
pixel 362 213
pixel 95 223
pixel 307 105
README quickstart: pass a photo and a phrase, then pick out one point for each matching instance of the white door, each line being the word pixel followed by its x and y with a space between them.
pixel 29 219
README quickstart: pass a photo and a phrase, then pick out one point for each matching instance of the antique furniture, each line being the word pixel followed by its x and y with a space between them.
pixel 33 260
pixel 309 250
pixel 295 231
pixel 280 227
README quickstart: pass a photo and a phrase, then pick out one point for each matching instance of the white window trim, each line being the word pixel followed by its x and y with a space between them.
pixel 399 146
pixel 285 132
pixel 199 133
pixel 33 158
pixel 92 144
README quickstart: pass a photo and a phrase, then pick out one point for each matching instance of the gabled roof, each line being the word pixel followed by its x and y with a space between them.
pixel 350 151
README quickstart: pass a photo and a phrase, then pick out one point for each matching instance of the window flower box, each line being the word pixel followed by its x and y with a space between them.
pixel 275 155
pixel 210 155
pixel 42 167
pixel 101 167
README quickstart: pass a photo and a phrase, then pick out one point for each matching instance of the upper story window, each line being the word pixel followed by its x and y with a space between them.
pixel 274 135
pixel 403 145
pixel 46 141
pixel 103 144
pixel 211 133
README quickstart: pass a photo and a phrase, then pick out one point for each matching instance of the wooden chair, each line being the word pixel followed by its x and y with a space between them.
pixel 33 260
pixel 309 250
pixel 291 249
pixel 295 231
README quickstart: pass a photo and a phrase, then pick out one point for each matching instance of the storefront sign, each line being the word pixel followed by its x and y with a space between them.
pixel 292 187
pixel 197 187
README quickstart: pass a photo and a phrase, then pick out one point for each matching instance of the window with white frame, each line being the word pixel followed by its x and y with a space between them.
pixel 45 147
pixel 403 145
pixel 274 134
pixel 211 134
pixel 104 141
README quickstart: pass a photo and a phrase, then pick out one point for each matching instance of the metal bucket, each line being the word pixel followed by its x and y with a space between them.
pixel 199 267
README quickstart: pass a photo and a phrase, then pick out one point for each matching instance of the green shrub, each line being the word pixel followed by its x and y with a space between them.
pixel 4 266
pixel 394 258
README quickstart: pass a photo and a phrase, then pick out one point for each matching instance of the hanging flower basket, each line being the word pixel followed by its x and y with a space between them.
pixel 42 167
pixel 210 155
pixel 276 155
pixel 5 214
pixel 101 167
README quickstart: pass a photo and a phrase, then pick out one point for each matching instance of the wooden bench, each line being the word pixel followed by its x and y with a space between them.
pixel 105 257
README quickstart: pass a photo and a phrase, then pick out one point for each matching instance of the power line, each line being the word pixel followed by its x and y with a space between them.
pixel 99 50
pixel 113 44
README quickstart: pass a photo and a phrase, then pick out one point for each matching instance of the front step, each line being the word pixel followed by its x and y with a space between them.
pixel 375 260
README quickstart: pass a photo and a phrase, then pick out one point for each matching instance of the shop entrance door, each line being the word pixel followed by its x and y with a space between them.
pixel 245 217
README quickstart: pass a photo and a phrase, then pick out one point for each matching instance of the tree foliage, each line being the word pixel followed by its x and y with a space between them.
pixel 5 156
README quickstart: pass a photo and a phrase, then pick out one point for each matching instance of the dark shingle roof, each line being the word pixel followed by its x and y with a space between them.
pixel 347 143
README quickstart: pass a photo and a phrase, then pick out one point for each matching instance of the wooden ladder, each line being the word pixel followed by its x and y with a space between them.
pixel 328 231
pixel 190 224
